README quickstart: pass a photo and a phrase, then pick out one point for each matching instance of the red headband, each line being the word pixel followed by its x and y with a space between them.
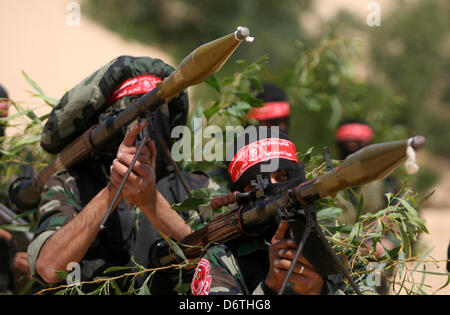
pixel 137 85
pixel 260 151
pixel 4 106
pixel 271 110
pixel 354 131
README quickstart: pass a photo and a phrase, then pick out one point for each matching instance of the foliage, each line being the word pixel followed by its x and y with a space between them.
pixel 21 153
pixel 413 55
pixel 233 98
pixel 179 26
pixel 318 91
pixel 323 91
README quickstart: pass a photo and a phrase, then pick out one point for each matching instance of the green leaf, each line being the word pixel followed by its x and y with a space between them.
pixel 239 109
pixel 115 287
pixel 112 269
pixel 79 292
pixel 256 84
pixel 137 264
pixel 435 273
pixel 174 246
pixel 210 111
pixel 180 282
pixel 32 83
pixel 347 228
pixel 27 141
pixel 16 227
pixel 408 207
pixel 200 193
pixel 388 197
pixel 354 233
pixel 360 206
pixel 144 290
pixel 212 82
pixel 329 213
pixel 62 274
pixel 49 100
pixel 190 204
pixel 250 99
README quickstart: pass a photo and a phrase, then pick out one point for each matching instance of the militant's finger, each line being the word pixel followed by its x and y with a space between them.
pixel 299 269
pixel 152 148
pixel 126 160
pixel 281 231
pixel 131 134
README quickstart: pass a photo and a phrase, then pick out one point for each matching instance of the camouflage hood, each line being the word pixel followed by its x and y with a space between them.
pixel 81 107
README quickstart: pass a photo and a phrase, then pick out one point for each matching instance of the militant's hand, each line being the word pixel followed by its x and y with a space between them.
pixel 140 187
pixel 282 251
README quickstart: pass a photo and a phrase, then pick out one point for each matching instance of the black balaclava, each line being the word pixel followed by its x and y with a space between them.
pixel 351 135
pixel 254 149
pixel 276 109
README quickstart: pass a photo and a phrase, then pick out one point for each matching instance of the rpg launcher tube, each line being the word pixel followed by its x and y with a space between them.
pixel 368 164
pixel 200 64
pixel 196 67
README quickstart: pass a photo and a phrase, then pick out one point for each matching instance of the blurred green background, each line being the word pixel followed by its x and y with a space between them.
pixel 395 76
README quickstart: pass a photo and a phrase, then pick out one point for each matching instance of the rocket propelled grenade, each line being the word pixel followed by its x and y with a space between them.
pixel 196 67
pixel 202 63
pixel 252 217
pixel 371 163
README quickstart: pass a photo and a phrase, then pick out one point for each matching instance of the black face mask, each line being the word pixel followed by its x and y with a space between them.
pixel 345 150
pixel 296 176
pixel 295 173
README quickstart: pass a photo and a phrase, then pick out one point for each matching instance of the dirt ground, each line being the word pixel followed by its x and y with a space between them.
pixel 37 39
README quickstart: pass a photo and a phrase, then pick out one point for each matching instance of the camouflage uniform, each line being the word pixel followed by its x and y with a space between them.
pixel 241 265
pixel 65 195
pixel 68 192
pixel 80 108
pixel 171 188
pixel 240 268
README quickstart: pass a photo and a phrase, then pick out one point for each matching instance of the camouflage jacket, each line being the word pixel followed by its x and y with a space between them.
pixel 241 270
pixel 65 195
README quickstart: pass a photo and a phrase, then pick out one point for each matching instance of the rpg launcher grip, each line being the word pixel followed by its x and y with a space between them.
pixel 196 67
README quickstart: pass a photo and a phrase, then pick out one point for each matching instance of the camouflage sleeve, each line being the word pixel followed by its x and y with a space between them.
pixel 218 274
pixel 334 285
pixel 59 204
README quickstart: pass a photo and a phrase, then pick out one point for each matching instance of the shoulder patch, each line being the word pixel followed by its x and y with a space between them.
pixel 201 282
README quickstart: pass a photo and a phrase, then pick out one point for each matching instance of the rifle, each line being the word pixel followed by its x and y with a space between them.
pixel 256 211
pixel 195 68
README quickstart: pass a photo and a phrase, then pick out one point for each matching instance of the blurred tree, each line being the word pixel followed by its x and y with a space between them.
pixel 179 26
pixel 323 90
pixel 411 50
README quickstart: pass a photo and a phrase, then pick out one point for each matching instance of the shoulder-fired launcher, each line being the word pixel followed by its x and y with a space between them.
pixel 196 67
pixel 252 217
